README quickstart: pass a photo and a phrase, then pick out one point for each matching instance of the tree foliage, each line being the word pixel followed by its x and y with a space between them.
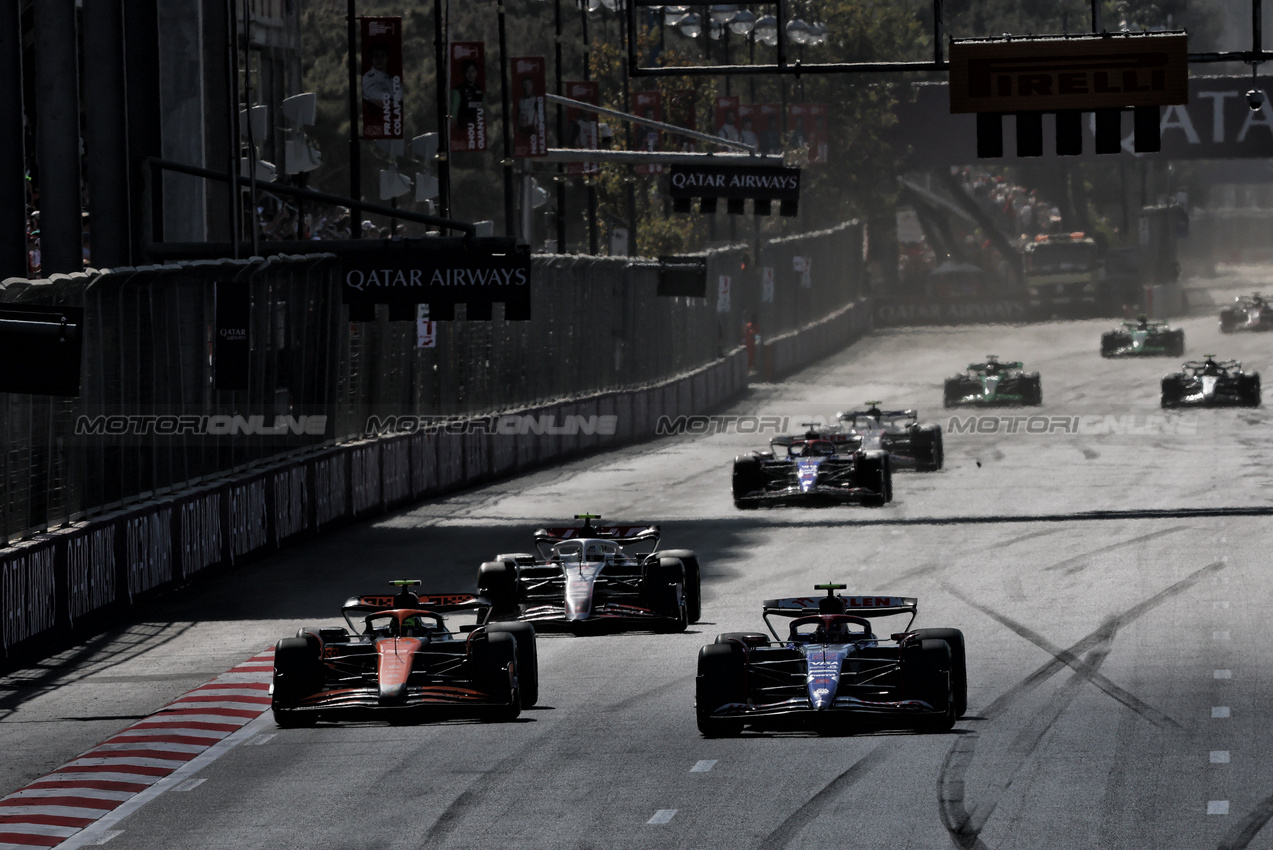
pixel 860 179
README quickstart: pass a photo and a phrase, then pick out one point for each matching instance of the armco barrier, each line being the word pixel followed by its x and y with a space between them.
pixel 785 353
pixel 66 584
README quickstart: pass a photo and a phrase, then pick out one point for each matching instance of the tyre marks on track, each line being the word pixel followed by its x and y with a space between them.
pixel 1246 829
pixel 1078 562
pixel 790 828
pixel 1085 657
pixel 1084 668
pixel 487 783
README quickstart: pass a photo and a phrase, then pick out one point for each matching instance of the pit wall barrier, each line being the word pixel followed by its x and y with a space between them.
pixel 72 582
pixel 67 584
pixel 788 352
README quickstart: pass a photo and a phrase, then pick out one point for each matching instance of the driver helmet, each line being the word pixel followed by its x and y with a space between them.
pixel 1143 321
pixel 412 625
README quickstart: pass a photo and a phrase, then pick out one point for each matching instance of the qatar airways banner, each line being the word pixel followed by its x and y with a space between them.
pixel 382 78
pixel 477 275
pixel 736 181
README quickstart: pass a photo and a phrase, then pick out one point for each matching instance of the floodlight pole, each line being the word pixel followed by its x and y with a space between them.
pixel 355 120
pixel 510 203
pixel 560 216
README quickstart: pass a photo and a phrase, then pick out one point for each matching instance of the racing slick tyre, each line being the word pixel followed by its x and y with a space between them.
pixel 874 471
pixel 748 638
pixel 926 676
pixel 492 658
pixel 298 672
pixel 721 681
pixel 1032 389
pixel 1176 343
pixel 958 664
pixel 748 479
pixel 1172 392
pixel 663 587
pixel 693 581
pixel 497 581
pixel 527 659
pixel 1110 341
pixel 927 443
pixel 1249 389
pixel 952 392
pixel 1228 321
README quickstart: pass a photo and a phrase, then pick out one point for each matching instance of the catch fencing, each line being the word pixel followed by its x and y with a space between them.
pixel 317 380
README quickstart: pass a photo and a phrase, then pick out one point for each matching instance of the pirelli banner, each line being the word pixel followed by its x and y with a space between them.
pixel 737 184
pixel 1066 76
pixel 440 273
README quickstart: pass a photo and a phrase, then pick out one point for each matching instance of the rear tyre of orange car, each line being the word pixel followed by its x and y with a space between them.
pixel 527 659
pixel 493 658
pixel 720 681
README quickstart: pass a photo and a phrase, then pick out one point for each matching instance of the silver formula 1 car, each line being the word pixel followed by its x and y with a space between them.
pixel 1211 383
pixel 1247 313
pixel 829 672
pixel 819 467
pixel 910 444
pixel 592 577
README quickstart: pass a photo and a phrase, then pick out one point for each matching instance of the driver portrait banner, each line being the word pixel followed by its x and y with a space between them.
pixel 382 78
pixel 581 124
pixel 468 94
pixel 649 105
pixel 530 133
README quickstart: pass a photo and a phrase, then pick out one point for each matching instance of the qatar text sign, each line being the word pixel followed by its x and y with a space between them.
pixel 1051 73
pixel 382 78
pixel 482 273
pixel 736 181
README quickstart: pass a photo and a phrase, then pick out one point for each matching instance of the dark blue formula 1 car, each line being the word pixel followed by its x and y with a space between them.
pixel 818 467
pixel 830 672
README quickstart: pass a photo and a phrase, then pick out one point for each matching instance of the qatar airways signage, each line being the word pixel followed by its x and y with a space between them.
pixel 403 276
pixel 736 181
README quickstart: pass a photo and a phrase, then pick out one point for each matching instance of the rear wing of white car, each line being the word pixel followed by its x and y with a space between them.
pixel 617 533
